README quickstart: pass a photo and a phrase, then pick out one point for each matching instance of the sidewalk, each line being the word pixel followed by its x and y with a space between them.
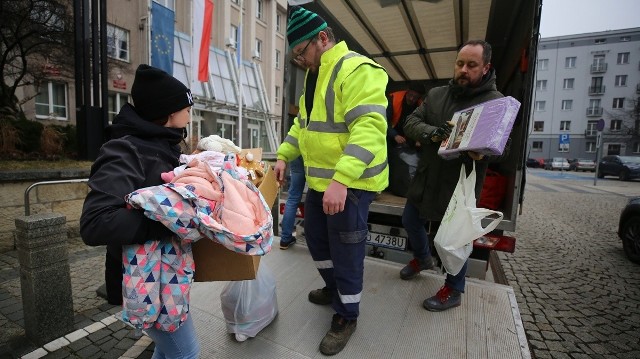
pixel 98 334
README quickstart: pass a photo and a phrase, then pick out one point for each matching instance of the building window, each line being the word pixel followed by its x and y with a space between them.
pixel 618 102
pixel 570 62
pixel 594 103
pixel 541 85
pixel 543 64
pixel 233 34
pixel 591 128
pixel 596 85
pixel 623 58
pixel 600 41
pixel 279 23
pixel 616 125
pixel 258 53
pixel 565 125
pixel 621 80
pixel 538 126
pixel 591 147
pixel 226 128
pixel 259 9
pixel 277 59
pixel 598 62
pixel 116 101
pixel 170 4
pixel 567 84
pixel 540 105
pixel 567 105
pixel 277 94
pixel 117 43
pixel 536 146
pixel 51 101
pixel 636 147
pixel 613 149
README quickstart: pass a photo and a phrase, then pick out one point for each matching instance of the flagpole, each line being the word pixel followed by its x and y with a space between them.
pixel 239 51
pixel 149 31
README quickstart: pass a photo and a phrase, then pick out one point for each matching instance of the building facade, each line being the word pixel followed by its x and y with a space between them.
pixel 248 46
pixel 582 80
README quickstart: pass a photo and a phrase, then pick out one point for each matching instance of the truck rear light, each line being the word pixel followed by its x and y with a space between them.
pixel 496 242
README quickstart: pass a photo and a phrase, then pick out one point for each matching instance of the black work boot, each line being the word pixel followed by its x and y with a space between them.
pixel 337 337
pixel 321 296
pixel 287 244
pixel 446 298
pixel 416 266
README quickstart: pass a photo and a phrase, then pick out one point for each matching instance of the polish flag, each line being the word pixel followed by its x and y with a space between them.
pixel 202 23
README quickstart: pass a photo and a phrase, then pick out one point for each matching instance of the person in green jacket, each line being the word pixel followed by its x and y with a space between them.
pixel 473 82
pixel 340 133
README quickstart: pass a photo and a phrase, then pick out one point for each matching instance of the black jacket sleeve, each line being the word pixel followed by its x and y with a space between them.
pixel 105 217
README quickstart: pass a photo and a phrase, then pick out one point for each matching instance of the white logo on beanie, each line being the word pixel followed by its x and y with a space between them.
pixel 190 97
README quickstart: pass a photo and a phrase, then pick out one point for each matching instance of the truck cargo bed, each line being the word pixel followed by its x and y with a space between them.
pixel 392 322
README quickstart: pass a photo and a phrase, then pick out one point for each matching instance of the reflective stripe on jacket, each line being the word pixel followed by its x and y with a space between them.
pixel 343 138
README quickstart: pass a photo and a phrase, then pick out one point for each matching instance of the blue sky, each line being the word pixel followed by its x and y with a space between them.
pixel 569 17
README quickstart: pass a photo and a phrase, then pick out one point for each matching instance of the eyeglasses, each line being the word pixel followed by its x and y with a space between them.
pixel 300 57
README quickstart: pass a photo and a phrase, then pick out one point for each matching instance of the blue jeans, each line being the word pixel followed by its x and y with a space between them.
pixel 296 186
pixel 182 343
pixel 419 239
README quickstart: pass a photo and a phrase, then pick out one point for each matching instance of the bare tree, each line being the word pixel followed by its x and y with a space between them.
pixel 628 119
pixel 36 42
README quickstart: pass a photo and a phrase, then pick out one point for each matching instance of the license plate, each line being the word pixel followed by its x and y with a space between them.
pixel 387 240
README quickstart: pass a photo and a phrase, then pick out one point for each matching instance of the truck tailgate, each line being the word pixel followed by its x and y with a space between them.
pixel 392 322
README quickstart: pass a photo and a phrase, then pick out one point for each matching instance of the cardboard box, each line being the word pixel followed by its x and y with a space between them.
pixel 214 262
pixel 484 128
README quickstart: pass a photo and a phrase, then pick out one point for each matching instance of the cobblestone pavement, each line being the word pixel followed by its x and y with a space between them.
pixel 99 334
pixel 578 294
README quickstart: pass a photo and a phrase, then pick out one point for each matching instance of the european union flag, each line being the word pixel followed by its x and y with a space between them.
pixel 162 27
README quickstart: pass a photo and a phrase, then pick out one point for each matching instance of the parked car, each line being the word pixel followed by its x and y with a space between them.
pixel 533 163
pixel 625 167
pixel 582 164
pixel 556 163
pixel 629 229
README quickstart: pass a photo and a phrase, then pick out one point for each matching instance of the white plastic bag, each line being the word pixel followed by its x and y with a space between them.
pixel 250 305
pixel 462 224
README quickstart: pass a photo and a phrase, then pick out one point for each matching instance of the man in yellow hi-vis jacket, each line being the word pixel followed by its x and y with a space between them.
pixel 340 133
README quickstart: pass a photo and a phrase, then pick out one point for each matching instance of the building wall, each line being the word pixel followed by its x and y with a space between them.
pixel 584 48
pixel 133 16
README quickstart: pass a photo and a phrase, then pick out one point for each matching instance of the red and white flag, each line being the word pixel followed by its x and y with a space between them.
pixel 202 24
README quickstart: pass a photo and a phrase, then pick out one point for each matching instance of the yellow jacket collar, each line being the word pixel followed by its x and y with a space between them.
pixel 336 51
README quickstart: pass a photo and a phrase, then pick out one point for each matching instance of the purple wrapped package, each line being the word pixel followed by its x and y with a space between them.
pixel 483 128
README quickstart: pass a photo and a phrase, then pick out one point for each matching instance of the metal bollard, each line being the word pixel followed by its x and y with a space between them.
pixel 45 278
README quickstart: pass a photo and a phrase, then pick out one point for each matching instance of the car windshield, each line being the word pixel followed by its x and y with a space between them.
pixel 630 159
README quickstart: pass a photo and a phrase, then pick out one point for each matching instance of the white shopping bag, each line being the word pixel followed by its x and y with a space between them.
pixel 462 224
pixel 250 305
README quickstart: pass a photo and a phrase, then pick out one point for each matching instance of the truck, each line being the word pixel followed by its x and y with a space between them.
pixel 417 42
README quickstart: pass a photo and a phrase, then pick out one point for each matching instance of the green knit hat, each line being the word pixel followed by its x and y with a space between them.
pixel 303 25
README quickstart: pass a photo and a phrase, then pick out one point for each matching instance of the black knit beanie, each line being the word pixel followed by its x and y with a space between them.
pixel 303 25
pixel 157 94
